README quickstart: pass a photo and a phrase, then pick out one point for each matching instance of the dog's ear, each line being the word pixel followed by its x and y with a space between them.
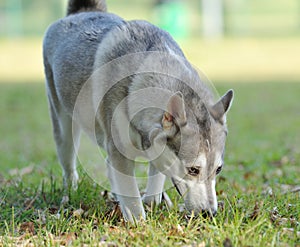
pixel 175 113
pixel 219 110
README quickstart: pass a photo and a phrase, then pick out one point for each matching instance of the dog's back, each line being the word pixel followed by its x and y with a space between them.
pixel 69 49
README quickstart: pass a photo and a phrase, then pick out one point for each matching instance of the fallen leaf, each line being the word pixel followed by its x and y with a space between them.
pixel 284 189
pixel 68 239
pixel 21 172
pixel 287 188
pixel 78 213
pixel 26 170
pixel 84 206
pixel 114 229
pixel 221 192
pixel 202 244
pixel 221 206
pixel 53 210
pixel 248 175
pixel 293 189
pixel 277 219
pixel 27 227
pixel 256 210
pixel 13 172
pixel 176 230
pixel 267 191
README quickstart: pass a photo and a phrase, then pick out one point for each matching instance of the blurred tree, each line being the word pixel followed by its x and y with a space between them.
pixel 13 21
pixel 28 17
pixel 213 18
pixel 172 16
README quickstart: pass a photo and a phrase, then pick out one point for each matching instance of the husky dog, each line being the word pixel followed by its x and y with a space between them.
pixel 128 85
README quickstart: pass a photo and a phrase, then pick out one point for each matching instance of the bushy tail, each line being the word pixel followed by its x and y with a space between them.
pixel 75 6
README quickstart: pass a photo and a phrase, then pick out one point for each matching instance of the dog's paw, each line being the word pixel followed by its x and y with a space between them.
pixel 152 200
pixel 71 181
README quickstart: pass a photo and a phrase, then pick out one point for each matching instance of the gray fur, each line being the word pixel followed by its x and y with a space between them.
pixel 187 128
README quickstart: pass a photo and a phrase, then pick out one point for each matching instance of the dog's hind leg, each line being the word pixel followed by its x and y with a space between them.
pixel 155 186
pixel 66 135
pixel 67 141
pixel 124 185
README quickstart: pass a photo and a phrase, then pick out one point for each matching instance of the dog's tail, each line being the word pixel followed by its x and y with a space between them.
pixel 75 6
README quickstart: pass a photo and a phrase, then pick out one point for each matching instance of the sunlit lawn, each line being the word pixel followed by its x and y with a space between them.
pixel 228 60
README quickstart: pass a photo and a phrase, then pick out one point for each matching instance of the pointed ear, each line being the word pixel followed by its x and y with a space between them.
pixel 219 110
pixel 175 113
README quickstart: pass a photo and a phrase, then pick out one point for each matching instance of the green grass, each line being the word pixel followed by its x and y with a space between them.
pixel 262 154
pixel 258 207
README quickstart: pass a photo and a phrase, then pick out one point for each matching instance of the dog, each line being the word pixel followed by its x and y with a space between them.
pixel 128 85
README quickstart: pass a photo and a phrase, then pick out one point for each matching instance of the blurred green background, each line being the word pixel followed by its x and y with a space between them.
pixel 257 40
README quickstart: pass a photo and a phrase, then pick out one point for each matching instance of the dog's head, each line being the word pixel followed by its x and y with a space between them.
pixel 195 141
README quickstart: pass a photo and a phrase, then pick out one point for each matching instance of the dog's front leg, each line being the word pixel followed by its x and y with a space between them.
pixel 124 186
pixel 155 186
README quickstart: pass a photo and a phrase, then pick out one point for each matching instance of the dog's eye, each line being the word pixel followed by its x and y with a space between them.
pixel 219 169
pixel 193 171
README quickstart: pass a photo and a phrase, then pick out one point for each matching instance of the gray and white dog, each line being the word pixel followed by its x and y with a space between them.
pixel 128 85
